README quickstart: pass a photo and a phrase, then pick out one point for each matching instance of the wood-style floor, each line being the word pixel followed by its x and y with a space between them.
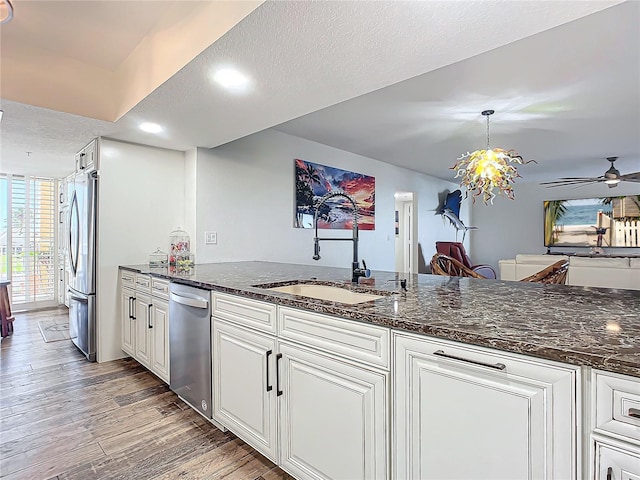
pixel 62 417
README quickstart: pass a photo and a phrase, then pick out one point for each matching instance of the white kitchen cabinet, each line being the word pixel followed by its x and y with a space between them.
pixel 159 321
pixel 615 462
pixel 143 326
pixel 333 416
pixel 128 326
pixel 464 412
pixel 86 158
pixel 144 320
pixel 63 239
pixel 243 385
pixel 615 419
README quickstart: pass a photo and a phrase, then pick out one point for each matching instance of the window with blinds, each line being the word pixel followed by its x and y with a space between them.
pixel 27 239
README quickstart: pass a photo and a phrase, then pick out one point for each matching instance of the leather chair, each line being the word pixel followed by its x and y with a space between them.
pixel 456 251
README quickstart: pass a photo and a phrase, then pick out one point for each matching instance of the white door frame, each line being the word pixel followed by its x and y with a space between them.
pixel 406 241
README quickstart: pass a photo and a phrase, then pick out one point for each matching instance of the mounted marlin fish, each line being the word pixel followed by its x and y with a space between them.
pixel 450 209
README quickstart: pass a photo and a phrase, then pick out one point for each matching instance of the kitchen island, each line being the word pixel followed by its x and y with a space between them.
pixel 583 326
pixel 448 378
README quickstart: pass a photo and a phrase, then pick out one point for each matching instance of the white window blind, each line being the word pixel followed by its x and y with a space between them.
pixel 27 241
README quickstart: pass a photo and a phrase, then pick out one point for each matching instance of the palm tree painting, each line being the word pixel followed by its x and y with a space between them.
pixel 313 180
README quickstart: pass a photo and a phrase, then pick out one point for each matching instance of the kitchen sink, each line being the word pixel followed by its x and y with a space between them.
pixel 325 291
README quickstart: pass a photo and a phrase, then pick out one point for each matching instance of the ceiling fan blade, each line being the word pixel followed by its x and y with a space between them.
pixel 630 177
pixel 571 181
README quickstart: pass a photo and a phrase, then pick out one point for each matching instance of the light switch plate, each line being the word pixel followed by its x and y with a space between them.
pixel 210 238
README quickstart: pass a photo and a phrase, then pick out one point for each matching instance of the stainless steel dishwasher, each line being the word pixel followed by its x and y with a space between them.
pixel 190 346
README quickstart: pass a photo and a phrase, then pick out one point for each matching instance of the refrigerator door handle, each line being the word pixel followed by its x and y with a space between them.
pixel 73 252
pixel 79 299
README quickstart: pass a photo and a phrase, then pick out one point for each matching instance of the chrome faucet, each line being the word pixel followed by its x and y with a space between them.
pixel 356 271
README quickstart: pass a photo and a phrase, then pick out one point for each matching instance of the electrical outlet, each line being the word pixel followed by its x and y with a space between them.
pixel 210 238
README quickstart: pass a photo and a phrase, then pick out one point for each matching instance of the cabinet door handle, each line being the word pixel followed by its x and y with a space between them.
pixel 497 366
pixel 130 307
pixel 609 473
pixel 269 387
pixel 149 317
pixel 634 412
pixel 133 315
pixel 278 391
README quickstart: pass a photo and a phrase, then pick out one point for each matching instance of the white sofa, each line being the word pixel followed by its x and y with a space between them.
pixel 606 272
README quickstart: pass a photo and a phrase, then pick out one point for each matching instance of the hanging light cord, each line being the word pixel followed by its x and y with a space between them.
pixel 488 113
pixel 488 148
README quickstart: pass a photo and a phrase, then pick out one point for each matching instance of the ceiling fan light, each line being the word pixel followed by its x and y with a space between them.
pixel 612 182
pixel 612 174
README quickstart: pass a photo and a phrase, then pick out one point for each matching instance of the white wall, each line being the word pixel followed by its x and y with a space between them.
pixel 509 227
pixel 141 193
pixel 190 196
pixel 245 192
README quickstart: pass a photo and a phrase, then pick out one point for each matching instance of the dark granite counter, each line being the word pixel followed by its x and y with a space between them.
pixel 594 327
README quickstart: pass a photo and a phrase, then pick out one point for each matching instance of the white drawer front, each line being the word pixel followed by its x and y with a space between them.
pixel 143 283
pixel 354 340
pixel 128 278
pixel 245 311
pixel 159 288
pixel 617 404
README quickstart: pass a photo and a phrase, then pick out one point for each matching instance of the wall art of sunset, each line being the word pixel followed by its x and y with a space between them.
pixel 313 180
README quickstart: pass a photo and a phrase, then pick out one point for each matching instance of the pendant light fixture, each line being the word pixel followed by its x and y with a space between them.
pixel 482 171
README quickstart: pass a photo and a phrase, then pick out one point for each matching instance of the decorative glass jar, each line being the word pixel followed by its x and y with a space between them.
pixel 185 260
pixel 179 243
pixel 158 258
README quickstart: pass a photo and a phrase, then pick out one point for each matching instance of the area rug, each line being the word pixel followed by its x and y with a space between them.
pixel 54 330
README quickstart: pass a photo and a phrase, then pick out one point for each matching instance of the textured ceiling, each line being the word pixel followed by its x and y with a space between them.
pixel 567 97
pixel 304 56
pixel 99 58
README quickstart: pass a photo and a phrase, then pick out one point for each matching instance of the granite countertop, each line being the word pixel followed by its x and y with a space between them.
pixel 594 327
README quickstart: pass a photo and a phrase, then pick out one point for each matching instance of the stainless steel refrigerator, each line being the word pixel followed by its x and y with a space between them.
pixel 82 260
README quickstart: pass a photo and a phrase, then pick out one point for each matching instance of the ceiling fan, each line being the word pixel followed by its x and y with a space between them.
pixel 611 177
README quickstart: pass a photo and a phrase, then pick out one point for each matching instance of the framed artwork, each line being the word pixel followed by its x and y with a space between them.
pixel 593 222
pixel 313 181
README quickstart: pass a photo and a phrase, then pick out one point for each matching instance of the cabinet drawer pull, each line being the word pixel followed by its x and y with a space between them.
pixel 634 412
pixel 497 366
pixel 609 473
pixel 269 386
pixel 278 391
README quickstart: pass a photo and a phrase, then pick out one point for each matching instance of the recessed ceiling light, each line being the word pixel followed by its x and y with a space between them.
pixel 150 127
pixel 231 78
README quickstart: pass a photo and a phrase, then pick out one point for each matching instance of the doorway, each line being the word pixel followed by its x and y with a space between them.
pixel 406 232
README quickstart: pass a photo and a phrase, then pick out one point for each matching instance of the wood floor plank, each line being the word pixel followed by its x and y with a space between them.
pixel 51 466
pixel 62 417
pixel 211 464
pixel 250 467
pixel 276 474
